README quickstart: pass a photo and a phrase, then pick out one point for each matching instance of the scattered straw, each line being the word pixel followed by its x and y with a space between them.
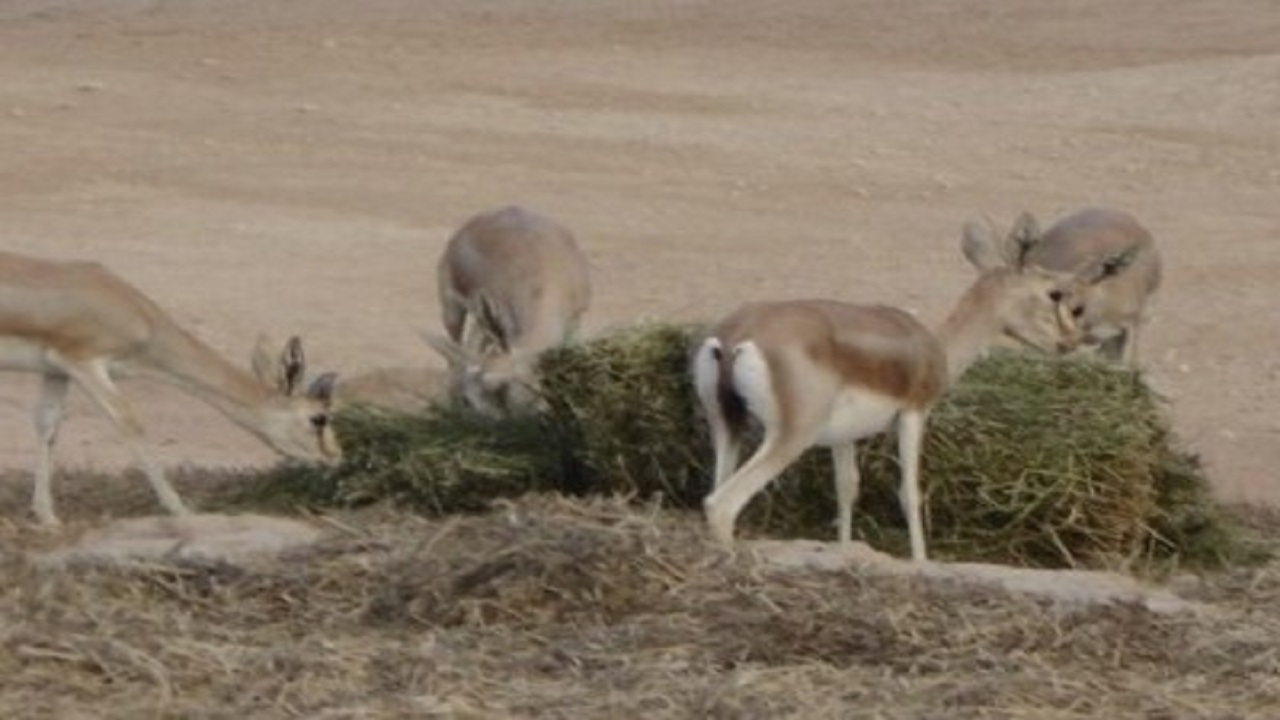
pixel 553 607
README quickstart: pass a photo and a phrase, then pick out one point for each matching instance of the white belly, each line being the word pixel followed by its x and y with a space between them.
pixel 856 414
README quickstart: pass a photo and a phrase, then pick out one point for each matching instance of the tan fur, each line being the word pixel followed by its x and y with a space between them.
pixel 523 283
pixel 77 321
pixel 878 347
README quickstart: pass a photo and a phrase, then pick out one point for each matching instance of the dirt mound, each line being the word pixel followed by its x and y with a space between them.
pixel 1070 589
pixel 212 537
pixel 536 606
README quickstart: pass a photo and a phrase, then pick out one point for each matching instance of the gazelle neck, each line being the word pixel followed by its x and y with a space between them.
pixel 973 326
pixel 542 325
pixel 182 360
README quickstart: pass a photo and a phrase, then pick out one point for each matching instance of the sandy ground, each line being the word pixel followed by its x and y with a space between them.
pixel 296 167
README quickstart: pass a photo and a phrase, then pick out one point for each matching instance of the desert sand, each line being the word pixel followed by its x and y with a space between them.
pixel 296 167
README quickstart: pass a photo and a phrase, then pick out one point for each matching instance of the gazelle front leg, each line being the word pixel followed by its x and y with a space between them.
pixel 47 418
pixel 845 459
pixel 1118 348
pixel 1128 353
pixel 97 383
pixel 1129 356
pixel 910 441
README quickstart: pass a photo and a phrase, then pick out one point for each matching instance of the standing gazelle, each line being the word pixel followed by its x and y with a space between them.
pixel 524 284
pixel 821 372
pixel 1109 243
pixel 78 321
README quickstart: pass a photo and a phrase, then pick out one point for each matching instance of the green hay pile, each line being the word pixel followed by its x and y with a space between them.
pixel 1056 462
pixel 446 459
pixel 1029 460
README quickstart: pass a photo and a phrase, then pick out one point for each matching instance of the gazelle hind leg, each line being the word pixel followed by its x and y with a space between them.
pixel 706 380
pixel 911 425
pixel 48 415
pixel 727 446
pixel 845 459
pixel 724 504
pixel 728 452
pixel 783 443
pixel 98 385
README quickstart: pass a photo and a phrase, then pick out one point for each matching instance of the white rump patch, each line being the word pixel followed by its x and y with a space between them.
pixel 706 372
pixel 751 380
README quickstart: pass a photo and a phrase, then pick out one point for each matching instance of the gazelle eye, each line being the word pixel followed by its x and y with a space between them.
pixel 1077 311
pixel 320 421
pixel 1055 295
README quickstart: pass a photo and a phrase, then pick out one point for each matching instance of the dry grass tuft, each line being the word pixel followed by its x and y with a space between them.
pixel 556 607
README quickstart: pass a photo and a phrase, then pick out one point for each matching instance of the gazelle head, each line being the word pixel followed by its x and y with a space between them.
pixel 1034 308
pixel 1081 294
pixel 1096 297
pixel 297 424
pixel 490 378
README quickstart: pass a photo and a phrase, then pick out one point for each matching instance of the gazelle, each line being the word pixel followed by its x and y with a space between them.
pixel 523 282
pixel 821 372
pixel 1108 242
pixel 78 321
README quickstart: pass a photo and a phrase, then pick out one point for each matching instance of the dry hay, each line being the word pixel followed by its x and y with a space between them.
pixel 552 607
pixel 1029 460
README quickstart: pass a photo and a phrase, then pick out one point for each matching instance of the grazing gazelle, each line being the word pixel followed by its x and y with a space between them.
pixel 78 321
pixel 821 372
pixel 1110 241
pixel 524 284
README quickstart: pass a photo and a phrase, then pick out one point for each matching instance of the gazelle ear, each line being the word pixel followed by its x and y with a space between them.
pixel 979 246
pixel 322 388
pixel 283 373
pixel 293 366
pixel 1023 237
pixel 264 364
